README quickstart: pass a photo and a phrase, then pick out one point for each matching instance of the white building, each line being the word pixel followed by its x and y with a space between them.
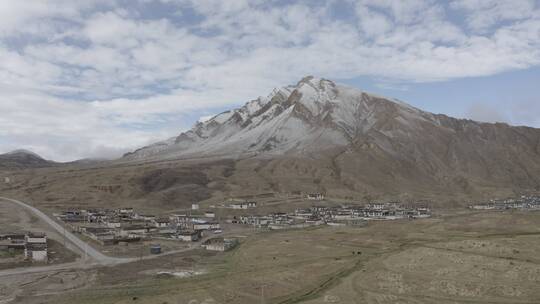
pixel 35 248
pixel 126 211
pixel 162 223
pixel 220 244
pixel 189 236
pixel 146 217
pixel 206 226
pixel 315 196
pixel 114 224
pixel 483 207
pixel 243 205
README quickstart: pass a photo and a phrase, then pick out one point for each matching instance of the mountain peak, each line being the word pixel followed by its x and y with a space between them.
pixel 316 83
pixel 315 114
pixel 310 79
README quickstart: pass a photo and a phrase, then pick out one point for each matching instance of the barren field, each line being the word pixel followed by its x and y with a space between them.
pixel 492 262
pixel 468 258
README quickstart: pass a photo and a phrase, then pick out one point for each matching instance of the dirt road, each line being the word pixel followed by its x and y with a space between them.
pixel 96 257
pixel 83 246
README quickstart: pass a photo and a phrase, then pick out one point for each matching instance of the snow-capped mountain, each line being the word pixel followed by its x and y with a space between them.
pixel 313 115
pixel 331 136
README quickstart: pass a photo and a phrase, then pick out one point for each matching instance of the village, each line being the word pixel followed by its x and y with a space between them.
pixel 525 202
pixel 208 228
pixel 345 215
pixel 126 225
pixel 214 228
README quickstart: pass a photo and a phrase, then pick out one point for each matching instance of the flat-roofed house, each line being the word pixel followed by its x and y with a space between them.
pixel 206 226
pixel 135 230
pixel 315 196
pixel 114 223
pixel 36 247
pixel 220 244
pixel 162 222
pixel 243 205
pixel 12 242
pixel 189 236
pixel 38 238
pixel 126 210
pixel 146 217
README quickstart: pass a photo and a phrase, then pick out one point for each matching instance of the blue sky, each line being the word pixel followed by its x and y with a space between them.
pixel 98 78
pixel 510 97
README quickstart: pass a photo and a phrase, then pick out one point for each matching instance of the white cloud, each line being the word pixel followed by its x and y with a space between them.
pixel 67 130
pixel 72 71
pixel 482 14
pixel 520 113
pixel 34 17
pixel 404 12
pixel 486 113
pixel 526 112
pixel 373 23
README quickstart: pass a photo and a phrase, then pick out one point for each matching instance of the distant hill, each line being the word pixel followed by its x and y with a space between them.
pixel 23 159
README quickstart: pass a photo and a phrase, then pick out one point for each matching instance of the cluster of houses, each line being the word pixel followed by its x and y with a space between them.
pixel 110 227
pixel 34 245
pixel 113 226
pixel 525 202
pixel 348 215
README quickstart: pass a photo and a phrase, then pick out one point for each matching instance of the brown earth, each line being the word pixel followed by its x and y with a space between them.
pixel 468 257
pixel 161 187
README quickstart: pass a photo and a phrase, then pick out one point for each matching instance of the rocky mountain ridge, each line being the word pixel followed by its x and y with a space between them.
pixel 341 137
pixel 313 115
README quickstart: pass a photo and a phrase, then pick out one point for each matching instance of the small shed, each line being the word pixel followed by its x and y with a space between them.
pixel 155 249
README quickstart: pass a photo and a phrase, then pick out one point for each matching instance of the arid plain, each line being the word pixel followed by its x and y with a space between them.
pixel 451 258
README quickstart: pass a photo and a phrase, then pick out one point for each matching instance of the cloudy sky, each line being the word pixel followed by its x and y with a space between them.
pixel 96 78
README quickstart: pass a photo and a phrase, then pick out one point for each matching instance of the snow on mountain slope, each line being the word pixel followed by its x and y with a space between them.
pixel 313 115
